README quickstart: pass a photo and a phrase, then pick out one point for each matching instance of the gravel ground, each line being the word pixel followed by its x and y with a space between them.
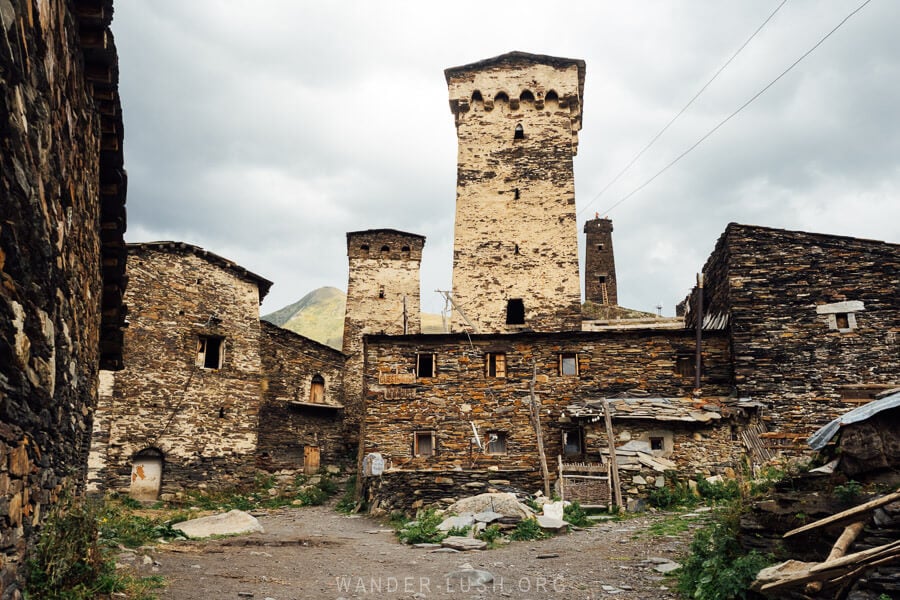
pixel 317 553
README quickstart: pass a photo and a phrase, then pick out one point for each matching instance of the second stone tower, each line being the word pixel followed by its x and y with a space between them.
pixel 515 254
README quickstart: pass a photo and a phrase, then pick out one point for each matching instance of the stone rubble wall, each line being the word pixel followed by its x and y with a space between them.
pixel 204 421
pixel 516 234
pixel 290 362
pixel 768 283
pixel 53 153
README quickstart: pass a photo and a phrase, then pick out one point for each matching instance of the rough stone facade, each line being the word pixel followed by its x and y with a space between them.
pixel 191 392
pixel 813 319
pixel 382 297
pixel 600 263
pixel 302 411
pixel 426 423
pixel 515 251
pixel 62 194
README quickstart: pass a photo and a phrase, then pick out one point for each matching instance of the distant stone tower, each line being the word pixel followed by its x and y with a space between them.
pixel 600 263
pixel 384 277
pixel 515 254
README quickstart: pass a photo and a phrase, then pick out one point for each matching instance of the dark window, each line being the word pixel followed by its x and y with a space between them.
pixel 385 249
pixel 572 442
pixel 684 365
pixel 423 443
pixel 568 364
pixel 517 249
pixel 551 97
pixel 210 352
pixel 657 443
pixel 842 320
pixel 496 442
pixel 495 364
pixel 317 390
pixel 599 246
pixel 476 97
pixel 364 247
pixel 425 365
pixel 602 279
pixel 516 194
pixel 515 311
pixel 501 97
pixel 520 132
pixel 526 96
pixel 381 291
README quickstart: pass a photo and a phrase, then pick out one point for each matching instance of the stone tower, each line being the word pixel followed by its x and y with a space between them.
pixel 600 263
pixel 382 297
pixel 515 254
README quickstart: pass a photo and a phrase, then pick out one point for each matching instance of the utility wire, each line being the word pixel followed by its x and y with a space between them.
pixel 681 112
pixel 742 107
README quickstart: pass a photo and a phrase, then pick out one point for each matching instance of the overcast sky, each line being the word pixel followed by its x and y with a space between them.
pixel 264 131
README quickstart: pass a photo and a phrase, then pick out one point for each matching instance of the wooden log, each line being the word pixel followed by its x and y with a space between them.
pixel 613 465
pixel 847 514
pixel 536 420
pixel 850 533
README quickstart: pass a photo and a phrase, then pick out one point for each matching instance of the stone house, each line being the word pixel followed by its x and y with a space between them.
pixel 62 254
pixel 465 421
pixel 813 321
pixel 190 407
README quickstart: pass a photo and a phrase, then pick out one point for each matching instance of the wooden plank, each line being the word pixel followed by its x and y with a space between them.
pixel 613 465
pixel 850 533
pixel 846 514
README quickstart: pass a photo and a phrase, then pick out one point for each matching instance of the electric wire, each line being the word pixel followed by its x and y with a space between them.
pixel 682 111
pixel 739 109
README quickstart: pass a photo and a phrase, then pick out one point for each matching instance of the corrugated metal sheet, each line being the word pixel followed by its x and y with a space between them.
pixel 818 440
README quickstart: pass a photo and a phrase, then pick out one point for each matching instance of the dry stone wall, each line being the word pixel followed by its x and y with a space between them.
pixel 60 183
pixel 203 420
pixel 775 291
pixel 289 419
pixel 516 236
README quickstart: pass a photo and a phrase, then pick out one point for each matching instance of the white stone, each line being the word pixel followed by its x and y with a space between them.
pixel 455 523
pixel 231 523
pixel 551 524
pixel 554 510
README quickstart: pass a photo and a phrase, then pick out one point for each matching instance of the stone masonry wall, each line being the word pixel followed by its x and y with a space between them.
pixel 290 362
pixel 516 235
pixel 769 284
pixel 398 404
pixel 51 283
pixel 203 420
pixel 378 282
pixel 600 262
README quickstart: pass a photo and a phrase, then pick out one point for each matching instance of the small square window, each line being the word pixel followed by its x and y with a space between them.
pixel 842 320
pixel 425 365
pixel 568 364
pixel 515 311
pixel 684 365
pixel 210 352
pixel 496 442
pixel 572 442
pixel 657 444
pixel 423 443
pixel 495 364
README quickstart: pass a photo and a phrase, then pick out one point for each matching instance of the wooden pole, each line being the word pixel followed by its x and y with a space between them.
pixel 614 466
pixel 562 480
pixel 851 532
pixel 847 514
pixel 536 420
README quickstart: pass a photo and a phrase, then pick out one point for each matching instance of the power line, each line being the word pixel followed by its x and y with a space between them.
pixel 681 112
pixel 742 107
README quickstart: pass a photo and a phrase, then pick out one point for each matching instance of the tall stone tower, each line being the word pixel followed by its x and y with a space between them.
pixel 382 297
pixel 600 263
pixel 515 255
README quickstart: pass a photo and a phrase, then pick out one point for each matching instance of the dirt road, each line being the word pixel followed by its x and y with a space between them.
pixel 317 553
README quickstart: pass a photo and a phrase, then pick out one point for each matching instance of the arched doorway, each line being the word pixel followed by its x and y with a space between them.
pixel 146 475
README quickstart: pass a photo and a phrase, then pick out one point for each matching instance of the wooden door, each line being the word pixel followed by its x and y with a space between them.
pixel 310 459
pixel 146 477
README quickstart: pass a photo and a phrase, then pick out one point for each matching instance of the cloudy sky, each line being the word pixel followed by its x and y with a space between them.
pixel 264 131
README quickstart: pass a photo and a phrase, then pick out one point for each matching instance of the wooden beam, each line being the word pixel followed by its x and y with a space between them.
pixel 536 420
pixel 614 466
pixel 847 514
pixel 850 533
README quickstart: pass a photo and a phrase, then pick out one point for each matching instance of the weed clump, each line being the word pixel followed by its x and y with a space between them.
pixel 424 530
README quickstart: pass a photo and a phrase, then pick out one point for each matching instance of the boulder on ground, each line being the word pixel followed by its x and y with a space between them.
pixel 457 542
pixel 231 523
pixel 550 524
pixel 459 522
pixel 504 503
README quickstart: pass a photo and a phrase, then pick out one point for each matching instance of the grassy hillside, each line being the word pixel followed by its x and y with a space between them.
pixel 319 315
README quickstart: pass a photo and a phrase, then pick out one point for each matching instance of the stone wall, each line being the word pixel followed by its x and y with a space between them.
pixel 516 236
pixel 600 263
pixel 202 419
pixel 61 213
pixel 460 394
pixel 779 294
pixel 384 270
pixel 290 419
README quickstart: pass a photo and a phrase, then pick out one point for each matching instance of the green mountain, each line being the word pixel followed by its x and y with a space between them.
pixel 319 315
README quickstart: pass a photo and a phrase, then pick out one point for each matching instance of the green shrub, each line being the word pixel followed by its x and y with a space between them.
pixel 679 494
pixel 577 516
pixel 725 490
pixel 718 568
pixel 459 531
pixel 849 492
pixel 490 534
pixel 423 530
pixel 347 503
pixel 527 529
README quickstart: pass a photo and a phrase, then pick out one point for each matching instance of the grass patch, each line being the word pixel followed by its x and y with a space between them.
pixel 490 535
pixel 421 531
pixel 575 515
pixel 527 529
pixel 674 525
pixel 267 492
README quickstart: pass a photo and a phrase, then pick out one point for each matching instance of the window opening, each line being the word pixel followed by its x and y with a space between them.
pixel 515 311
pixel 516 194
pixel 317 390
pixel 496 442
pixel 210 352
pixel 572 442
pixel 425 365
pixel 684 365
pixel 385 249
pixel 364 247
pixel 423 443
pixel 517 249
pixel 842 320
pixel 495 364
pixel 381 291
pixel 520 132
pixel 657 443
pixel 526 96
pixel 568 364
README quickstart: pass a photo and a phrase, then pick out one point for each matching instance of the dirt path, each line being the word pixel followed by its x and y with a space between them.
pixel 317 553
